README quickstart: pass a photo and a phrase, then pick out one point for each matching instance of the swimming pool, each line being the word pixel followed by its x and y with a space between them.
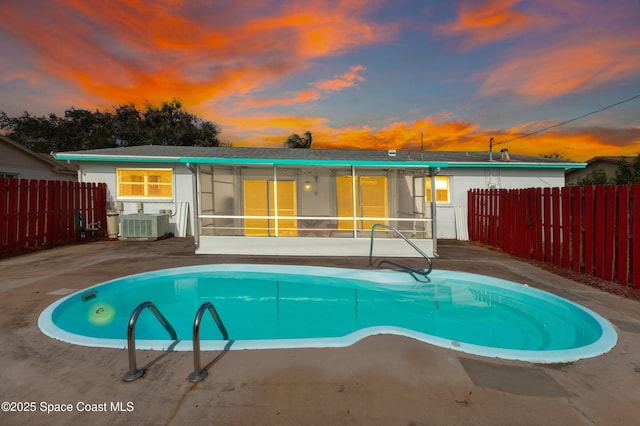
pixel 275 306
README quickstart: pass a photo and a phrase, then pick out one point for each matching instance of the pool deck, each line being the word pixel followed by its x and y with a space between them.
pixel 379 380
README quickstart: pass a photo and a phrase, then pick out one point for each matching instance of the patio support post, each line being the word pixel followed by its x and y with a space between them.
pixel 275 198
pixel 354 201
pixel 433 171
pixel 195 210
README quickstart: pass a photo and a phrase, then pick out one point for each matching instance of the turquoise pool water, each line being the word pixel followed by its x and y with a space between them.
pixel 269 306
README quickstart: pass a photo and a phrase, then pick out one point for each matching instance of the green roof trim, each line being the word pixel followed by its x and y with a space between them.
pixel 311 157
pixel 303 162
pixel 117 159
pixel 516 165
pixel 306 162
pixel 251 161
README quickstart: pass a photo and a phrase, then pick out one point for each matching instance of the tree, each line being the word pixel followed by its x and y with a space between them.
pixel 295 141
pixel 555 156
pixel 79 129
pixel 628 173
pixel 36 133
pixel 596 177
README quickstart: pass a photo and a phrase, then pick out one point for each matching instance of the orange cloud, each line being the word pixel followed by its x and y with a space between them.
pixel 342 81
pixel 152 51
pixel 437 134
pixel 265 129
pixel 289 98
pixel 400 135
pixel 338 83
pixel 547 73
pixel 480 23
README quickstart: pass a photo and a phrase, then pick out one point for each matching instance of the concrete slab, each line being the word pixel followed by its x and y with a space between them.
pixel 517 379
pixel 379 380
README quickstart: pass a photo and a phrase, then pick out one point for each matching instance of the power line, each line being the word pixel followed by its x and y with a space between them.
pixel 569 121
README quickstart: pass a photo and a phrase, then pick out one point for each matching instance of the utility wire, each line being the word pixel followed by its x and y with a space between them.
pixel 569 121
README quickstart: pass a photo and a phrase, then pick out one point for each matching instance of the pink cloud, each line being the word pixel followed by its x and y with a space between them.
pixel 482 22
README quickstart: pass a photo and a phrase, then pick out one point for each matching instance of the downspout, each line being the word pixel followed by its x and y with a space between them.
pixel 193 168
pixel 434 210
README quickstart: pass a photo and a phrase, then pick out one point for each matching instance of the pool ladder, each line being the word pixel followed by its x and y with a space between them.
pixel 405 268
pixel 198 373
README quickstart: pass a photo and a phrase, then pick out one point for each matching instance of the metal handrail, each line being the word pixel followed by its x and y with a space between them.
pixel 200 373
pixel 134 373
pixel 423 272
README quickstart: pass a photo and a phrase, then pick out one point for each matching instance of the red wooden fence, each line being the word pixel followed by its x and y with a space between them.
pixel 589 229
pixel 37 213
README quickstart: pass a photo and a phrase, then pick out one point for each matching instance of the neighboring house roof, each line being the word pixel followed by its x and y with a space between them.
pixel 66 165
pixel 611 160
pixel 311 157
pixel 47 161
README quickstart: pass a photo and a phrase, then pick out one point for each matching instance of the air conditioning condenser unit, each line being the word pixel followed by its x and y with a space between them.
pixel 144 226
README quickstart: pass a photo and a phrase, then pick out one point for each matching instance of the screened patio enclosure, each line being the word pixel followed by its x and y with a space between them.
pixel 313 201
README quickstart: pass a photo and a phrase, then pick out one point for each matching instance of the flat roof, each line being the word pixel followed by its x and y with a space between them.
pixel 312 157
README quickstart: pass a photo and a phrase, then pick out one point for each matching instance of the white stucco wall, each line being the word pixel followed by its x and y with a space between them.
pixel 183 191
pixel 464 179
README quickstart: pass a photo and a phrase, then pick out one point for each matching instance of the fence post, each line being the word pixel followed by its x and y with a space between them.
pixel 12 213
pixel 4 214
pixel 555 200
pixel 566 227
pixel 589 230
pixel 622 234
pixel 471 214
pixel 503 234
pixel 483 217
pixel 532 226
pixel 42 212
pixel 634 257
pixel 32 209
pixel 21 213
pixel 576 228
pixel 547 255
pixel 600 221
pixel 65 212
pixel 77 204
pixel 609 232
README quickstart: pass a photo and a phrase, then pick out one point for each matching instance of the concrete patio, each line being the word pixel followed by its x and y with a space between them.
pixel 380 380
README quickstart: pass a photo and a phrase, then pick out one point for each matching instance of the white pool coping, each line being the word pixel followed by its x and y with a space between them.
pixel 384 278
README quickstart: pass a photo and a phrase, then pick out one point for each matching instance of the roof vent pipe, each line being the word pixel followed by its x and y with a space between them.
pixel 505 154
pixel 392 153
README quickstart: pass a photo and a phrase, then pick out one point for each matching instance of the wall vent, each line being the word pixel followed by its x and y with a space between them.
pixel 144 226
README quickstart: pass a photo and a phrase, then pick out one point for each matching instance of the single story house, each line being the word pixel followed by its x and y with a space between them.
pixel 307 201
pixel 17 161
pixel 608 164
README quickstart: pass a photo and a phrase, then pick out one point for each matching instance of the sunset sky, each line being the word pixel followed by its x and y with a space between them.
pixel 358 74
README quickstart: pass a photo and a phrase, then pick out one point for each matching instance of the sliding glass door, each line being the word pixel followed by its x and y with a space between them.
pixel 260 208
pixel 371 201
